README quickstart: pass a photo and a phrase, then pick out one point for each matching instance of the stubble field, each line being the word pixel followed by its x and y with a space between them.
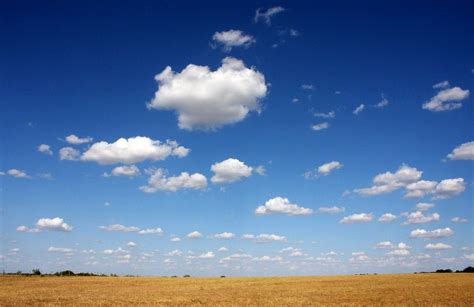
pixel 405 289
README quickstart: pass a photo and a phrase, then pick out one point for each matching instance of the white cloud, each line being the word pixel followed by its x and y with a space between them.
pixel 327 168
pixel 151 231
pixel 264 238
pixel 389 182
pixel 248 237
pixel 133 150
pixel 56 224
pixel 260 170
pixel 119 228
pixel 469 257
pixel 463 152
pixel 45 148
pixel 17 173
pixel 194 235
pixel 382 103
pixel 267 258
pixel 321 126
pixel 458 219
pixel 175 239
pixel 266 15
pixel 441 85
pixel 359 109
pixel 420 188
pixel 75 140
pixel 223 249
pixel 446 100
pixel 131 244
pixel 330 114
pixel 229 170
pixel 60 250
pixel 233 38
pixel 69 153
pixel 437 233
pixel 224 235
pixel 384 244
pixel 419 218
pixel 280 205
pixel 159 182
pixel 449 187
pixel 387 217
pixel 207 99
pixel 289 249
pixel 437 246
pixel 27 229
pixel 361 217
pixel 125 170
pixel 333 209
pixel 424 206
pixel 307 87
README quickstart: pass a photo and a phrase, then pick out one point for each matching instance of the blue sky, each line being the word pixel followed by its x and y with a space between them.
pixel 301 137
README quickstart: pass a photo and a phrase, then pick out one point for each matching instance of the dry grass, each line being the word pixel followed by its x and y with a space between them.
pixel 409 289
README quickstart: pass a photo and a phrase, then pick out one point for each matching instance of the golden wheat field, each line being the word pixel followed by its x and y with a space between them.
pixel 405 289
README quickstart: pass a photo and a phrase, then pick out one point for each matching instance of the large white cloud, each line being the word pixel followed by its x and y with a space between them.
pixel 437 233
pixel 360 217
pixel 419 188
pixel 230 170
pixel 449 187
pixel 159 182
pixel 206 99
pixel 463 152
pixel 56 224
pixel 446 100
pixel 233 38
pixel 280 205
pixel 388 182
pixel 133 150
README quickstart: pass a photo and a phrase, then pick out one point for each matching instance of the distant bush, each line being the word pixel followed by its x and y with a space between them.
pixel 35 272
pixel 444 271
pixel 186 276
pixel 223 276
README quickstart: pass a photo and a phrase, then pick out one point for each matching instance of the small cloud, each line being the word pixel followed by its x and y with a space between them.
pixel 46 149
pixel 75 140
pixel 307 87
pixel 359 109
pixel 266 15
pixel 321 126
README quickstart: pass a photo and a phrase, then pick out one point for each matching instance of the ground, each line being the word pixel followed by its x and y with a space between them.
pixel 412 289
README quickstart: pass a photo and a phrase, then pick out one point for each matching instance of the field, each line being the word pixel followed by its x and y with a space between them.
pixel 413 289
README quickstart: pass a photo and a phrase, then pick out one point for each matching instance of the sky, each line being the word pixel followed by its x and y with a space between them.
pixel 254 138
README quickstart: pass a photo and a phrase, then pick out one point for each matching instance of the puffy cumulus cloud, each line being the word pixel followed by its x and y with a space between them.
pixel 229 170
pixel 119 228
pixel 321 126
pixel 131 244
pixel 280 205
pixel 266 15
pixel 17 173
pixel 327 168
pixel 133 150
pixel 359 109
pixel 45 148
pixel 124 170
pixel 208 255
pixel 430 234
pixel 63 250
pixel 224 235
pixel 361 217
pixel 449 187
pixel 387 217
pixel 27 229
pixel 264 238
pixel 159 182
pixel 333 209
pixel 206 99
pixel 151 231
pixel 419 218
pixel 232 38
pixel 437 246
pixel 446 100
pixel 399 253
pixel 75 140
pixel 419 188
pixel 463 152
pixel 69 154
pixel 458 219
pixel 55 224
pixel 194 235
pixel 424 206
pixel 388 182
pixel 223 249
